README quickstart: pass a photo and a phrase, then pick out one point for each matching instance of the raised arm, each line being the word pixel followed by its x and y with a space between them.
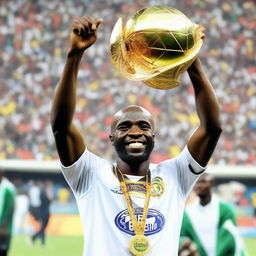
pixel 69 142
pixel 203 141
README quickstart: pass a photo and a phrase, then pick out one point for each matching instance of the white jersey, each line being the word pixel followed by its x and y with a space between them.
pixel 199 216
pixel 106 222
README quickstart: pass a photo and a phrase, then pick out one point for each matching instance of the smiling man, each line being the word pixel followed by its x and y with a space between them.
pixel 132 207
pixel 132 135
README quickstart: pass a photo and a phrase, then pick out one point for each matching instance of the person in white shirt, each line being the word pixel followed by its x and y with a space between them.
pixel 131 207
pixel 34 199
pixel 21 224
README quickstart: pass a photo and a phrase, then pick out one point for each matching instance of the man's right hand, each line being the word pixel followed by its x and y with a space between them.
pixel 83 33
pixel 188 248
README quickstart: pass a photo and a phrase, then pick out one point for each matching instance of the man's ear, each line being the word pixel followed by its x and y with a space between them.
pixel 111 139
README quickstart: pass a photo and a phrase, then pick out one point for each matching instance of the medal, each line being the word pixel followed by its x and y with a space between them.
pixel 139 244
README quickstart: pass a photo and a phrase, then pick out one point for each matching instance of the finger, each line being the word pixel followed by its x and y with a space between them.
pixel 94 24
pixel 93 27
pixel 77 27
pixel 200 31
pixel 98 22
pixel 85 25
pixel 203 28
pixel 185 253
pixel 202 35
pixel 193 247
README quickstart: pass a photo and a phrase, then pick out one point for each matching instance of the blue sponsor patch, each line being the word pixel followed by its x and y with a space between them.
pixel 154 223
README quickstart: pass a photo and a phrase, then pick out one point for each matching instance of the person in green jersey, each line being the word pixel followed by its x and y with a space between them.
pixel 209 225
pixel 7 203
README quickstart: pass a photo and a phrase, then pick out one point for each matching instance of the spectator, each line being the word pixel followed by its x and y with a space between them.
pixel 45 197
pixel 21 211
pixel 34 199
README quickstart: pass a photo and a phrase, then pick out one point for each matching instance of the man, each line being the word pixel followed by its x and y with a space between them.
pixel 210 223
pixel 44 215
pixel 7 203
pixel 21 224
pixel 34 199
pixel 131 208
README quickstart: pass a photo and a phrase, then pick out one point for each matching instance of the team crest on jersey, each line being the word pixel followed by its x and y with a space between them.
pixel 154 223
pixel 157 187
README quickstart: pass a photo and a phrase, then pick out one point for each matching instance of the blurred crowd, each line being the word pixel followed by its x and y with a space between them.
pixel 33 47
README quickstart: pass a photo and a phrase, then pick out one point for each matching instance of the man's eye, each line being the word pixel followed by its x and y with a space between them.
pixel 123 128
pixel 144 127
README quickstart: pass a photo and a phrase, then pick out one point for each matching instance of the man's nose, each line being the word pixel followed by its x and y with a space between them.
pixel 135 131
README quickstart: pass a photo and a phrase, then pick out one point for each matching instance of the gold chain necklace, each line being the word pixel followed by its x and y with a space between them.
pixel 139 244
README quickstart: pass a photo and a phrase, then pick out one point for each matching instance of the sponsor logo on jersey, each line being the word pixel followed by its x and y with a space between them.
pixel 154 223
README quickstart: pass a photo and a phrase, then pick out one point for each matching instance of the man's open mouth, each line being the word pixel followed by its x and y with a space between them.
pixel 135 144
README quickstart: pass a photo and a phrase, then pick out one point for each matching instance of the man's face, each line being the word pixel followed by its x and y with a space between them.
pixel 132 135
pixel 203 186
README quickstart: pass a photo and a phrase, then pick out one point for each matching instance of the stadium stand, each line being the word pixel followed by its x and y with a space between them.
pixel 34 36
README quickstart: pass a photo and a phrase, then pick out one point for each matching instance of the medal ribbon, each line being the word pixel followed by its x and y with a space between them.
pixel 138 226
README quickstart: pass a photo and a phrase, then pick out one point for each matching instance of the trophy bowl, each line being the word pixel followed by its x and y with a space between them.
pixel 156 45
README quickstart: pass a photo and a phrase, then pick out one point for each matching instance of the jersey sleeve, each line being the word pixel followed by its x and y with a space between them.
pixel 226 213
pixel 81 174
pixel 188 171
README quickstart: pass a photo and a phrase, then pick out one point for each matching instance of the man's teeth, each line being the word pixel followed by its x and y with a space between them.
pixel 135 144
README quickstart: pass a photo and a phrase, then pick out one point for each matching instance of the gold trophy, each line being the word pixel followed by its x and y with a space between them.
pixel 155 46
